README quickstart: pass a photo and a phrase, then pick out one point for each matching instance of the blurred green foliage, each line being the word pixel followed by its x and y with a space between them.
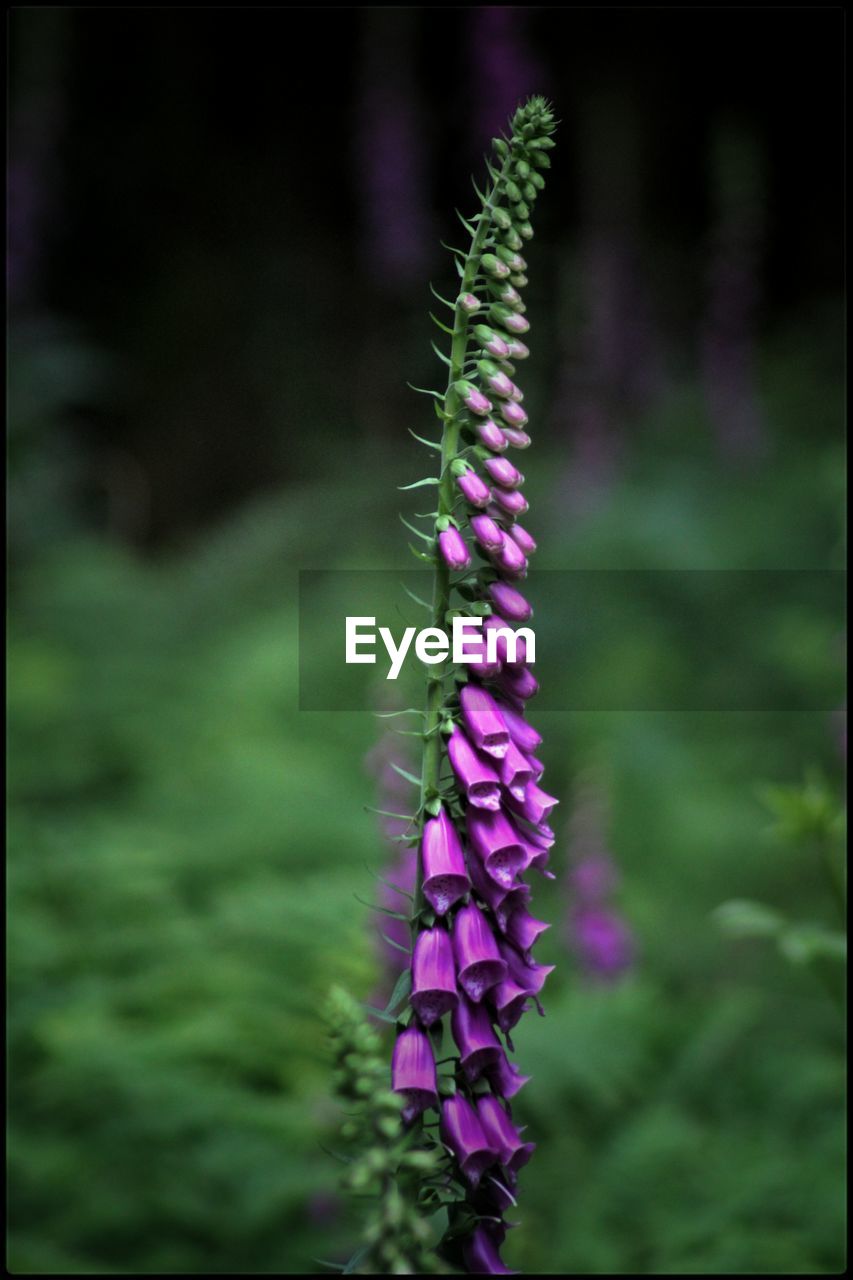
pixel 185 847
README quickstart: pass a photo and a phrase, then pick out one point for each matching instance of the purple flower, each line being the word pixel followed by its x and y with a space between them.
pixel 503 472
pixel 474 489
pixel 519 683
pixel 603 941
pixel 472 398
pixel 478 780
pixel 413 1073
pixel 501 900
pixel 505 1077
pixel 497 842
pixel 518 439
pixel 523 930
pixel 517 350
pixel 462 1132
pixel 433 976
pixel 491 436
pixel 469 303
pixel 487 533
pixel 537 804
pixel 494 622
pixel 512 501
pixel 512 412
pixel 523 734
pixel 522 539
pixel 502 1134
pixel 453 549
pixel 509 602
pixel 481 1255
pixel 484 721
pixel 478 960
pixel 511 558
pixel 475 1038
pixel 445 877
pixel 516 772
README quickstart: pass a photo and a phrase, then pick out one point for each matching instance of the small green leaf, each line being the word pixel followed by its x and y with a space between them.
pixel 410 777
pixel 420 484
pixel 402 987
pixel 743 919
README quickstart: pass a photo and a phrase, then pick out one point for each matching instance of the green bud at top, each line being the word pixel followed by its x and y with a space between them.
pixel 502 219
pixel 540 159
pixel 512 239
pixel 543 144
pixel 521 211
pixel 529 192
pixel 513 192
pixel 525 230
pixel 500 146
pixel 537 180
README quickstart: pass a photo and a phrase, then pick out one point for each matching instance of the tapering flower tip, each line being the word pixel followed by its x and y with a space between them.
pixel 509 295
pixel 511 1002
pixel 503 472
pixel 496 841
pixel 469 303
pixel 516 771
pixel 491 436
pixel 523 930
pixel 513 260
pixel 524 972
pixel 492 342
pixel 462 1132
pixel 478 960
pixel 516 394
pixel 522 539
pixel 484 722
pixel 478 780
pixel 511 560
pixel 481 1255
pixel 516 349
pixel 537 804
pixel 445 876
pixel 472 398
pixel 413 1073
pixel 489 535
pixel 537 766
pixel 476 1041
pixel 453 549
pixel 494 267
pixel 512 501
pixel 518 439
pixel 499 383
pixel 513 414
pixel 509 602
pixel 474 489
pixel 523 734
pixel 503 635
pixel 502 1134
pixel 433 977
pixel 505 1077
pixel 519 683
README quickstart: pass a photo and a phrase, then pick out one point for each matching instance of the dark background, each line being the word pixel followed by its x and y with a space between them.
pixel 222 226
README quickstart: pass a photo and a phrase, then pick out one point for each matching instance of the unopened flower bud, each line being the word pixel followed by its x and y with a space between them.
pixel 472 398
pixel 453 549
pixel 475 490
pixel 517 350
pixel 501 219
pixel 513 414
pixel 512 501
pixel 489 535
pixel 468 303
pixel 513 191
pixel 494 267
pixel 517 439
pixel 503 472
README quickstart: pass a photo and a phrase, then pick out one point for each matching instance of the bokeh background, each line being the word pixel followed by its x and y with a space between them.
pixel 222 225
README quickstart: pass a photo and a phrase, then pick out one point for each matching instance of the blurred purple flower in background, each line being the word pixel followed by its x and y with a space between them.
pixel 728 340
pixel 504 68
pixel 389 159
pixel 595 931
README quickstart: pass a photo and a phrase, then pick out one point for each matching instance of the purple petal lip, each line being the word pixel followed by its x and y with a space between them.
pixel 497 842
pixel 505 1078
pixel 519 683
pixel 484 721
pixel 478 961
pixel 476 1041
pixel 511 500
pixel 502 1133
pixel 516 772
pixel 478 780
pixel 500 901
pixel 510 1001
pixel 523 929
pixel 433 978
pixel 537 766
pixel 481 1255
pixel 462 1132
pixel 537 804
pixel 489 535
pixel 474 489
pixel 529 976
pixel 509 602
pixel 445 876
pixel 413 1073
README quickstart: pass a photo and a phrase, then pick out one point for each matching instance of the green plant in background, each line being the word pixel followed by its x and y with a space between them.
pixel 812 819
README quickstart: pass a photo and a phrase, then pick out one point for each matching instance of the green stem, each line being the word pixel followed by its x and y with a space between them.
pixel 431 765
